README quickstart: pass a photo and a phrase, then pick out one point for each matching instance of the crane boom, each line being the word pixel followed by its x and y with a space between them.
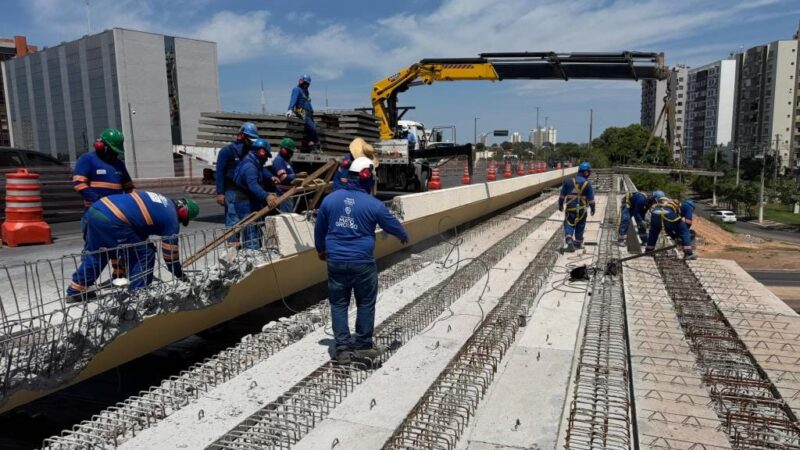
pixel 511 66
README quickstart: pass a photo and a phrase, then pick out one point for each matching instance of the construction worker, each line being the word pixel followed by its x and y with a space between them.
pixel 344 236
pixel 118 226
pixel 576 195
pixel 254 183
pixel 687 212
pixel 300 106
pixel 282 169
pixel 665 213
pixel 227 160
pixel 358 148
pixel 100 172
pixel 634 205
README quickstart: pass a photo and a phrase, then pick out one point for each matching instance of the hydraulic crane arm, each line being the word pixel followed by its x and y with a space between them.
pixel 511 66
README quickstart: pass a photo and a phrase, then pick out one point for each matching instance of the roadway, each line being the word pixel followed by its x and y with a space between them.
pixel 704 210
pixel 788 278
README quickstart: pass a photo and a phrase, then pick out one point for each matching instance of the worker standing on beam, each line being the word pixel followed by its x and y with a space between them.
pixel 101 172
pixel 119 225
pixel 577 196
pixel 300 106
pixel 665 213
pixel 255 188
pixel 227 160
pixel 282 169
pixel 344 236
pixel 634 205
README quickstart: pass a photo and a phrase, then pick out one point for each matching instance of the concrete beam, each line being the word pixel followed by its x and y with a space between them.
pixel 667 171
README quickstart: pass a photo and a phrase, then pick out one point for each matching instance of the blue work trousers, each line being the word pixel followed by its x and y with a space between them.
pixel 361 280
pixel 106 240
pixel 624 223
pixel 231 215
pixel 311 128
pixel 676 229
pixel 574 226
pixel 287 206
pixel 251 235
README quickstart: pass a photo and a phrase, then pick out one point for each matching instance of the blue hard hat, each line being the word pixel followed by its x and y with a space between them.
pixel 584 166
pixel 306 78
pixel 689 203
pixel 658 194
pixel 249 129
pixel 261 143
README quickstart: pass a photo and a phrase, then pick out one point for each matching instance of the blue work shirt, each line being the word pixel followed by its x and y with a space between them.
pixel 346 222
pixel 300 100
pixel 95 177
pixel 577 193
pixel 252 178
pixel 340 178
pixel 227 160
pixel 637 203
pixel 283 170
pixel 147 214
pixel 687 212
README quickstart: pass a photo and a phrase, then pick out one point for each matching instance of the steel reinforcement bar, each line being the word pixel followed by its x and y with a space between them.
pixel 599 414
pixel 752 410
pixel 286 420
pixel 440 417
pixel 122 421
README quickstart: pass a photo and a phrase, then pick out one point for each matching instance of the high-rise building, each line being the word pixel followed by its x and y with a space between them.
pixel 654 94
pixel 152 87
pixel 9 48
pixel 766 114
pixel 541 136
pixel 515 137
pixel 709 109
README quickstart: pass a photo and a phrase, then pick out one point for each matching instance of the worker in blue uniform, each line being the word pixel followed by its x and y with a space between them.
pixel 687 212
pixel 576 197
pixel 344 236
pixel 254 187
pixel 282 169
pixel 119 226
pixel 358 148
pixel 300 106
pixel 341 177
pixel 227 160
pixel 634 205
pixel 665 214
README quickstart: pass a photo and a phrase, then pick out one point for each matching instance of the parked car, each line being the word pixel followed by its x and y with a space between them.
pixel 724 216
pixel 60 202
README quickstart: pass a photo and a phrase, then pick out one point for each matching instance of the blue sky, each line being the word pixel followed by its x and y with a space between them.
pixel 348 45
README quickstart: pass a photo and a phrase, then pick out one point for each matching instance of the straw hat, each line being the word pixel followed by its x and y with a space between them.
pixel 360 148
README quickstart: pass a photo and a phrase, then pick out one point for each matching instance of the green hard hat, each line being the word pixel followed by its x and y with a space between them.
pixel 114 139
pixel 288 143
pixel 192 210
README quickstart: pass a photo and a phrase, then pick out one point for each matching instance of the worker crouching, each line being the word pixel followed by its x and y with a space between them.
pixel 344 236
pixel 120 225
pixel 576 197
pixel 665 214
pixel 634 206
pixel 253 184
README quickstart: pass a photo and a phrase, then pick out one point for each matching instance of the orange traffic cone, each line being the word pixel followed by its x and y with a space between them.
pixel 558 166
pixel 520 169
pixel 466 179
pixel 507 171
pixel 492 175
pixel 532 167
pixel 436 182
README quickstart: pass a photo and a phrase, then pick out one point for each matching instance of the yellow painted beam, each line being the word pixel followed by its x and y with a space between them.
pixel 295 273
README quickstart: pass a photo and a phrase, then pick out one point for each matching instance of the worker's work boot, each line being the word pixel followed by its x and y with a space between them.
pixel 570 246
pixel 371 353
pixel 344 356
pixel 689 257
pixel 81 296
pixel 621 243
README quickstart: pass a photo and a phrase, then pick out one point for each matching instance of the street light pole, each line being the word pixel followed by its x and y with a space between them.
pixel 475 132
pixel 131 113
pixel 714 190
pixel 738 155
pixel 761 195
pixel 775 160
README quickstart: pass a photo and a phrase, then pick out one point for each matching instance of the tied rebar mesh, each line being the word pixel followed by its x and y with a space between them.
pixel 752 410
pixel 440 417
pixel 122 421
pixel 599 414
pixel 278 425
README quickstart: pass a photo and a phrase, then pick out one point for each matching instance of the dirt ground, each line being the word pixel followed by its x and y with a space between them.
pixel 750 253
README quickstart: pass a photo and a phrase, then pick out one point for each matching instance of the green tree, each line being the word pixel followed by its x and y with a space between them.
pixel 627 146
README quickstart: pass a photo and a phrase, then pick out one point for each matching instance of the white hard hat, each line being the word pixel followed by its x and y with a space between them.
pixel 360 164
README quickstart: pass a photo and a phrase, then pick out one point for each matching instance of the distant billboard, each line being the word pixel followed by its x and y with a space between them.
pixel 500 133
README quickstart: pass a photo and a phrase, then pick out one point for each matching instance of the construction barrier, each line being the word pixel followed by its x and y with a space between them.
pixel 436 181
pixel 24 222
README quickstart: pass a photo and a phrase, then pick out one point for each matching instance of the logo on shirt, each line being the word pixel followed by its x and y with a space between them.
pixel 101 171
pixel 347 221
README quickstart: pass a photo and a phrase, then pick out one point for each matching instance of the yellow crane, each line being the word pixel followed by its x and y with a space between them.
pixel 510 66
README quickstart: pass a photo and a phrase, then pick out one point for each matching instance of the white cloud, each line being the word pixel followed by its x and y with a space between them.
pixel 239 40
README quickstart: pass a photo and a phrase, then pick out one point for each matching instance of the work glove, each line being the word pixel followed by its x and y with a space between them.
pixel 272 200
pixel 301 175
pixel 322 256
pixel 290 113
pixel 297 182
pixel 221 199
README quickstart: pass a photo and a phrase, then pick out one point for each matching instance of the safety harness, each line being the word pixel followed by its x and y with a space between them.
pixel 580 206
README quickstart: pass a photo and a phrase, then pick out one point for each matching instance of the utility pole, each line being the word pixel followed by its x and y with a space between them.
pixel 775 160
pixel 761 195
pixel 475 132
pixel 537 118
pixel 263 100
pixel 591 120
pixel 714 189
pixel 131 113
pixel 738 155
pixel 88 18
